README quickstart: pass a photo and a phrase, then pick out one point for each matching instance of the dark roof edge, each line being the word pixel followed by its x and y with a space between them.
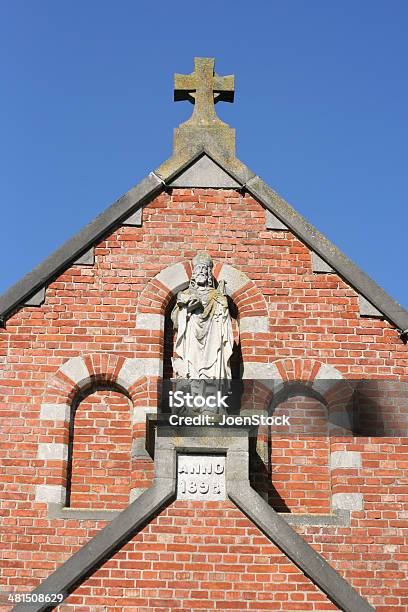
pixel 344 266
pixel 14 297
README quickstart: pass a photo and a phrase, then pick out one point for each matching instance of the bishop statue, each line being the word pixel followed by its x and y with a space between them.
pixel 204 331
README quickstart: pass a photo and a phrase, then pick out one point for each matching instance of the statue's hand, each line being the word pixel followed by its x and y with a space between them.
pixel 193 304
pixel 182 300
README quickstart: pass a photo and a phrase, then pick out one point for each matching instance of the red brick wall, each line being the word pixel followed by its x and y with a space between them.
pixel 199 556
pixel 313 318
pixel 101 455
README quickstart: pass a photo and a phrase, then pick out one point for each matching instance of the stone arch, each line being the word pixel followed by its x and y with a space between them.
pixel 80 372
pixel 250 302
pixel 323 379
pixel 308 370
pixel 74 378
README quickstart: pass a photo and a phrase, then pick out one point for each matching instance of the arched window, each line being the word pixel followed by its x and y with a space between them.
pixel 299 453
pixel 99 451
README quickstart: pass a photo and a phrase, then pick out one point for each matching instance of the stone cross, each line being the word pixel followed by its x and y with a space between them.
pixel 203 88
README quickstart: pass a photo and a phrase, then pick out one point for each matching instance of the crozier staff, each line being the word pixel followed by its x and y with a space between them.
pixel 203 322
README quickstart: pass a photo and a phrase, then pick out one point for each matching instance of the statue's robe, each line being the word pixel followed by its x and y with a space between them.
pixel 205 339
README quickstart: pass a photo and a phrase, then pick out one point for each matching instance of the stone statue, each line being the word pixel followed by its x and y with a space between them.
pixel 203 322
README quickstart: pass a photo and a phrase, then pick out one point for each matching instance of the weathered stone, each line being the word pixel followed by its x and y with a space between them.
pixel 206 174
pixel 87 258
pixel 238 465
pixel 139 449
pixel 149 320
pixel 174 277
pixel 367 309
pixel 234 279
pixel 328 372
pixel 319 265
pixel 254 325
pixel 79 514
pixel 201 477
pixel 52 451
pixel 272 221
pixel 133 369
pixel 326 378
pixel 204 341
pixel 204 88
pixel 255 369
pixel 55 412
pixel 348 501
pixel 139 413
pixel 75 368
pixel 50 494
pixel 37 299
pixel 345 460
pixel 135 493
pixel 135 219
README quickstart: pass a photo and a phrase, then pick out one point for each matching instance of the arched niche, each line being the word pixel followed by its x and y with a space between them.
pixel 99 448
pixel 170 335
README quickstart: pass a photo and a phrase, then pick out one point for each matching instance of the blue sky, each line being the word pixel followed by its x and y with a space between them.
pixel 320 110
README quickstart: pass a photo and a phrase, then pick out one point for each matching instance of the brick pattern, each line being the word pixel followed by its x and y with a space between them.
pixel 91 312
pixel 198 556
pixel 301 476
pixel 101 456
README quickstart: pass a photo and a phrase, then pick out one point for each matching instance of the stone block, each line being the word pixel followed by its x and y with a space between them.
pixel 348 501
pixel 205 173
pixel 135 219
pixel 201 477
pixel 133 369
pixel 139 449
pixel 367 309
pixel 135 493
pixel 37 299
pixel 273 223
pixel 319 265
pixel 52 451
pixel 139 413
pixel 50 494
pixel 76 370
pixel 87 258
pixel 174 277
pixel 55 412
pixel 165 463
pixel 254 325
pixel 326 378
pixel 237 465
pixel 345 460
pixel 148 320
pixel 234 279
pixel 256 370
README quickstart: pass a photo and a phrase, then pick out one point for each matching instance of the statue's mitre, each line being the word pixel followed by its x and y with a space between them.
pixel 203 259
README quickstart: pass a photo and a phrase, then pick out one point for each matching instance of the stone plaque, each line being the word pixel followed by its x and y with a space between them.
pixel 201 477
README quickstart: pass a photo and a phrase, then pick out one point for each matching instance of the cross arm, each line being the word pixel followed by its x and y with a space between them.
pixel 185 84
